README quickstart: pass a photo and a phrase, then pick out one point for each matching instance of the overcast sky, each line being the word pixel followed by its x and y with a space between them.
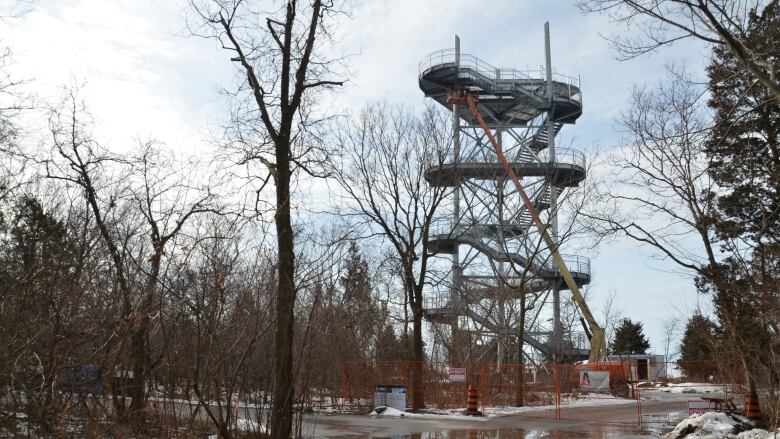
pixel 145 78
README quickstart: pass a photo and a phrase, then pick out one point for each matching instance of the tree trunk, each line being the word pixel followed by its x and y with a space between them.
pixel 408 348
pixel 520 395
pixel 139 344
pixel 281 421
pixel 418 357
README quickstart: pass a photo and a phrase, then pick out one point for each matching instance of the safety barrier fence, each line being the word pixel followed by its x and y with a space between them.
pixel 639 391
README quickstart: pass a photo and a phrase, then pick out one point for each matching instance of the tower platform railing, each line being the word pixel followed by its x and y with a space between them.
pixel 575 264
pixel 447 58
pixel 565 156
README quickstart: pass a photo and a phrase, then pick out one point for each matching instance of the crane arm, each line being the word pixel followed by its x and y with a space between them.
pixel 597 341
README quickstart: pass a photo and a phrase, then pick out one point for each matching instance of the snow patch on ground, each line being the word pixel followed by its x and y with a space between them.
pixel 192 403
pixel 250 425
pixel 589 400
pixel 758 433
pixel 717 425
pixel 427 414
pixel 685 387
pixel 390 412
pixel 592 399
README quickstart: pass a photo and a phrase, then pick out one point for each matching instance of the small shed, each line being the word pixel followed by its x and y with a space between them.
pixel 644 367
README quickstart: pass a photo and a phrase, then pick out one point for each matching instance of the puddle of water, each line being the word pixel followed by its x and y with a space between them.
pixel 664 417
pixel 595 431
pixel 657 424
pixel 360 427
pixel 497 434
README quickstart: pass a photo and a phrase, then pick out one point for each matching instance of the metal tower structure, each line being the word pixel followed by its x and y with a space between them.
pixel 496 249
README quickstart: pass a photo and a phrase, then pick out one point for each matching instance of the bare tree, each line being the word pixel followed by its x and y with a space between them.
pixel 717 22
pixel 13 103
pixel 341 312
pixel 284 66
pixel 612 315
pixel 654 196
pixel 386 152
pixel 78 160
pixel 671 331
pixel 227 299
pixel 166 201
pixel 161 198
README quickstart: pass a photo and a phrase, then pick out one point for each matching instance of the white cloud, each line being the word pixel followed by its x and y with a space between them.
pixel 133 69
pixel 144 79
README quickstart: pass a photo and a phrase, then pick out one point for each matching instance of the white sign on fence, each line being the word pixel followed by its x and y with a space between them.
pixel 699 407
pixel 594 381
pixel 390 396
pixel 457 374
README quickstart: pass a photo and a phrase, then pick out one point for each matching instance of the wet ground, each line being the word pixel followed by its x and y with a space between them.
pixel 584 422
pixel 516 427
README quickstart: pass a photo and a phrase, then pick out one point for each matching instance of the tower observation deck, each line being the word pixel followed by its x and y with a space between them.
pixel 507 96
pixel 489 233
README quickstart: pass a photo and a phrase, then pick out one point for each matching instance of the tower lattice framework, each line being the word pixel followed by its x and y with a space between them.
pixel 496 250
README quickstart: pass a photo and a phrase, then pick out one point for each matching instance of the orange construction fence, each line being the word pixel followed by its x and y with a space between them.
pixel 639 391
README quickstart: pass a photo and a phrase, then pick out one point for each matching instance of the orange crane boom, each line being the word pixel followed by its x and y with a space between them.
pixel 597 340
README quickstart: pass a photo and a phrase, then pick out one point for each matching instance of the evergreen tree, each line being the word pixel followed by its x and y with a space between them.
pixel 697 348
pixel 360 313
pixel 39 287
pixel 744 156
pixel 38 258
pixel 359 305
pixel 389 346
pixel 356 282
pixel 744 147
pixel 629 339
pixel 699 340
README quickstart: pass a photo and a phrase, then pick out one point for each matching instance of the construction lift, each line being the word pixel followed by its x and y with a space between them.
pixel 594 331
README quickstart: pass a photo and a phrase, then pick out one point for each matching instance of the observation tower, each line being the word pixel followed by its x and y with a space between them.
pixel 498 254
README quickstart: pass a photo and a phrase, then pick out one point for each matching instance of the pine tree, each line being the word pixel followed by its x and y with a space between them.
pixel 41 258
pixel 360 309
pixel 744 156
pixel 697 348
pixel 357 280
pixel 39 283
pixel 699 340
pixel 389 346
pixel 744 147
pixel 629 339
